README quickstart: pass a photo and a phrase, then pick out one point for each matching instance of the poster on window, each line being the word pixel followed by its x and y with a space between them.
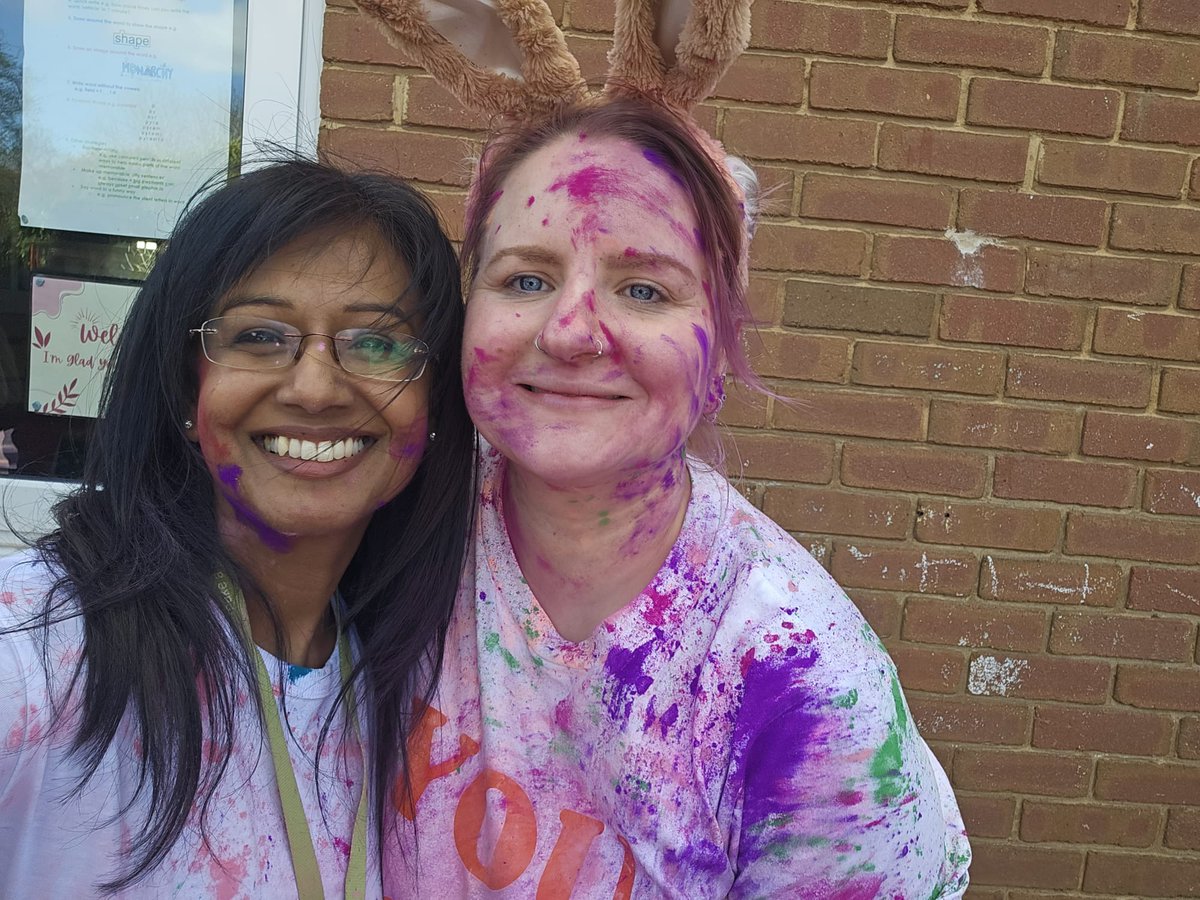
pixel 126 111
pixel 75 325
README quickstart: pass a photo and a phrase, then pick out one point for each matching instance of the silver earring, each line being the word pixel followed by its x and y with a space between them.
pixel 432 436
pixel 598 344
pixel 188 424
pixel 537 343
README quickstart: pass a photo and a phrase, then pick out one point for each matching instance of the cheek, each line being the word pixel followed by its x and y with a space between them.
pixel 214 450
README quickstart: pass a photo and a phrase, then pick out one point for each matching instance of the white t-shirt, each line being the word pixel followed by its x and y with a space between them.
pixel 737 730
pixel 54 843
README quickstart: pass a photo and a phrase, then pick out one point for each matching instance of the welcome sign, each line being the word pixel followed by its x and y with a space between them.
pixel 75 325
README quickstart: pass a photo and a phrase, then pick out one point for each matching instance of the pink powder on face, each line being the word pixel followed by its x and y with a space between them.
pixel 545 221
pixel 590 184
pixel 483 356
pixel 530 201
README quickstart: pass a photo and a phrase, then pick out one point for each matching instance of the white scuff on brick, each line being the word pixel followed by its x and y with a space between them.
pixel 991 676
pixel 969 271
pixel 991 564
pixel 856 553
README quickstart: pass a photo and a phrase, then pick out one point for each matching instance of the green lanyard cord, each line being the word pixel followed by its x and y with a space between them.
pixel 304 858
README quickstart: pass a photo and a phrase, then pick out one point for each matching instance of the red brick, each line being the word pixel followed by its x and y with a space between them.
pixel 758 77
pixel 1189 289
pixel 844 307
pixel 1150 62
pixel 1148 782
pixel 880 609
pixel 860 413
pixel 1086 276
pixel 1158 687
pixel 987 816
pixel 926 669
pixel 766 134
pixel 428 103
pixel 1089 823
pixel 1142 875
pixel 1038 377
pixel 1122 636
pixel 1023 772
pixel 1158 119
pixel 1064 220
pixel 1002 426
pixel 1039 677
pixel 352 36
pixel 366 96
pixel 976 45
pixel 1104 167
pixel 1150 438
pixel 1157 229
pixel 1183 829
pixel 449 205
pixel 1021 323
pixel 955 154
pixel 1064 481
pixel 1046 581
pixel 1147 334
pixel 889 567
pixel 971 721
pixel 1133 537
pixel 914 469
pixel 1089 12
pixel 1194 187
pixel 817 547
pixel 763 296
pixel 596 15
pixel 786 247
pixel 928 368
pixel 899 92
pixel 940 4
pixel 818 29
pixel 1165 590
pixel 876 200
pixel 808 357
pixel 1189 739
pixel 942 261
pixel 757 454
pixel 592 54
pixel 416 155
pixel 972 624
pixel 1017 865
pixel 1172 16
pixel 1173 493
pixel 988 525
pixel 1102 731
pixel 826 511
pixel 744 406
pixel 1034 106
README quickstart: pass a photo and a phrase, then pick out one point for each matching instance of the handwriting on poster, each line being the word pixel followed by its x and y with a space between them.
pixel 75 326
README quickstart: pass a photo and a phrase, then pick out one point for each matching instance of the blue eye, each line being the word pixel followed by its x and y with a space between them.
pixel 643 293
pixel 529 284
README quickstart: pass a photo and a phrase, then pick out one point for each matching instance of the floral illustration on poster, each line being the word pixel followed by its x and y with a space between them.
pixel 74 327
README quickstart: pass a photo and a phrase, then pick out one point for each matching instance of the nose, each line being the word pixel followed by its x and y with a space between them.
pixel 572 330
pixel 315 381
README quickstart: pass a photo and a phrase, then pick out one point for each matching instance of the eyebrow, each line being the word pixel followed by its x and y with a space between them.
pixel 526 252
pixel 396 311
pixel 638 259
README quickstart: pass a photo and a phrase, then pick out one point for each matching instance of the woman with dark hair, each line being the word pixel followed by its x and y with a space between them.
pixel 253 580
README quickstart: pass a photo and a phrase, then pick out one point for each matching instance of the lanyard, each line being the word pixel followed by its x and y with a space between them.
pixel 304 858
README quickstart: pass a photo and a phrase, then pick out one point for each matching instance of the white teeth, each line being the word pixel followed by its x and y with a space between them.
pixel 313 451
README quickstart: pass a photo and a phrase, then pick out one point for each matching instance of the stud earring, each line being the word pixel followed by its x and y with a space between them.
pixel 188 424
pixel 432 436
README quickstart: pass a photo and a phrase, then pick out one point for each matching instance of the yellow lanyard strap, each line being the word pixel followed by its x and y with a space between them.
pixel 304 858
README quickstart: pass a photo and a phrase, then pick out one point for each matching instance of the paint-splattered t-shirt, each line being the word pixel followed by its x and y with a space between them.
pixel 737 730
pixel 56 844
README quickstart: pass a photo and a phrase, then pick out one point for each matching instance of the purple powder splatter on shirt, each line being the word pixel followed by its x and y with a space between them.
pixel 626 677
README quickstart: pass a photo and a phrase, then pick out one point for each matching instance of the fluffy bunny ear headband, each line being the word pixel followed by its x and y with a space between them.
pixel 509 58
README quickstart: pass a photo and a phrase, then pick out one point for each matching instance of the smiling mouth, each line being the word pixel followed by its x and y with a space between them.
pixel 537 390
pixel 313 451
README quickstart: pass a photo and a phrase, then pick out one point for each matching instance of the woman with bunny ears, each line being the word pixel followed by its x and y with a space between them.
pixel 649 689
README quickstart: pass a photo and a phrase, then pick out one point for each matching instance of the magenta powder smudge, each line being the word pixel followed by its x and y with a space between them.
pixel 590 184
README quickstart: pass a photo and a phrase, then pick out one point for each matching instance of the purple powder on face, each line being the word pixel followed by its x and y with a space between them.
pixel 496 195
pixel 531 200
pixel 229 475
pixel 545 221
pixel 590 184
pixel 658 162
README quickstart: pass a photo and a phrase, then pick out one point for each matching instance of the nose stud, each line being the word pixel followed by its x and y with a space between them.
pixel 596 342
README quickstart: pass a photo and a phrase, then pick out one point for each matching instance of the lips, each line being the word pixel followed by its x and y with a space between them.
pixel 313 451
pixel 570 392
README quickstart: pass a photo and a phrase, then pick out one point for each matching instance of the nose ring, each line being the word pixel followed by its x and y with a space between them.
pixel 537 345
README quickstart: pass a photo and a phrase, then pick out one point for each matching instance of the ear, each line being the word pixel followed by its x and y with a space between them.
pixel 502 57
pixel 677 49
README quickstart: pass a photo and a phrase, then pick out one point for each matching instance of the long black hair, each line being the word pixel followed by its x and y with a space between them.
pixel 137 546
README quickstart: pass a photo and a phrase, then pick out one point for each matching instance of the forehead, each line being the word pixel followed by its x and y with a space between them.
pixel 354 267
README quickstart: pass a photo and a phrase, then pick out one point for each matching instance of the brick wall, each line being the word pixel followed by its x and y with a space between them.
pixel 980 283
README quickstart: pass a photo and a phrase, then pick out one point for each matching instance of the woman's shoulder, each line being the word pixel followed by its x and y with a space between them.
pixel 26 580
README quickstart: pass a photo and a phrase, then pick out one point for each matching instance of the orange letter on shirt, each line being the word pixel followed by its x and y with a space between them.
pixel 566 859
pixel 518 834
pixel 422 771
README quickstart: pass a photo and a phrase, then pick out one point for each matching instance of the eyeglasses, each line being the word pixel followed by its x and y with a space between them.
pixel 248 342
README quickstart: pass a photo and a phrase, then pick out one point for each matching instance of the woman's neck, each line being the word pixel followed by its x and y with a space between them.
pixel 588 553
pixel 300 582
